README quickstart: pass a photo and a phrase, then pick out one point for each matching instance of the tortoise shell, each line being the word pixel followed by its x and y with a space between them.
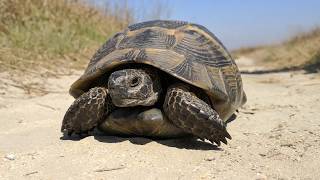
pixel 186 51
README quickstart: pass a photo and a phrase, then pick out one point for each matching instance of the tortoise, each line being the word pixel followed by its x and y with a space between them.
pixel 158 78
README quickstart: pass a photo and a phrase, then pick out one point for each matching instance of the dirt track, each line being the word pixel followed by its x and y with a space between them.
pixel 276 136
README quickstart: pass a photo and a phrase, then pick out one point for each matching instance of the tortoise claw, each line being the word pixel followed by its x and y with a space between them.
pixel 227 135
pixel 217 142
pixel 224 140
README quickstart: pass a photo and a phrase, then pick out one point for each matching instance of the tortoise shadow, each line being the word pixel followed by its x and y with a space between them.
pixel 190 143
pixel 180 143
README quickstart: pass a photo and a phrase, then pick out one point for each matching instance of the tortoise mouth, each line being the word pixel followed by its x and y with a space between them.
pixel 126 102
pixel 133 102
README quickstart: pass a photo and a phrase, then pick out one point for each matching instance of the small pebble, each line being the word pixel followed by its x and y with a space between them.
pixel 10 157
pixel 209 159
pixel 263 155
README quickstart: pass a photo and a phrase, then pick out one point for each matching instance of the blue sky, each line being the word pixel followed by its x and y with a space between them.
pixel 240 23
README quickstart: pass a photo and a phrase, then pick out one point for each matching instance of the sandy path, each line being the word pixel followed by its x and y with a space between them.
pixel 276 136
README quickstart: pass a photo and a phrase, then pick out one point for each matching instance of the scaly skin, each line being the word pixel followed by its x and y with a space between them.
pixel 87 111
pixel 193 115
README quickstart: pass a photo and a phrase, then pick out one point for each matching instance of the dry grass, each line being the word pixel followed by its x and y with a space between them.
pixel 49 38
pixel 44 32
pixel 301 51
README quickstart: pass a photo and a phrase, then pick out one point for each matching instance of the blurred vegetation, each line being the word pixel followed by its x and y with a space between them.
pixel 299 52
pixel 52 36
pixel 43 38
pixel 314 64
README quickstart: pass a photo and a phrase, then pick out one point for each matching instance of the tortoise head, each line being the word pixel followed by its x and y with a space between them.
pixel 134 87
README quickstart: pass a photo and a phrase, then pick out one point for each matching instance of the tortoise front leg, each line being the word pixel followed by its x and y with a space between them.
pixel 87 111
pixel 193 115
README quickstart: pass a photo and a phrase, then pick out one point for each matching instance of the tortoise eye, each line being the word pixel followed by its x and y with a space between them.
pixel 134 82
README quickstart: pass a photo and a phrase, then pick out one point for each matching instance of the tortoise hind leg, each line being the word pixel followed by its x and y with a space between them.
pixel 86 112
pixel 193 115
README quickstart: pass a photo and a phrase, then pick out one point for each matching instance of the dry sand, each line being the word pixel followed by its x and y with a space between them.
pixel 276 136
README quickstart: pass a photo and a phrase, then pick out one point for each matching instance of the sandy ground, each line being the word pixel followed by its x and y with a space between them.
pixel 276 136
